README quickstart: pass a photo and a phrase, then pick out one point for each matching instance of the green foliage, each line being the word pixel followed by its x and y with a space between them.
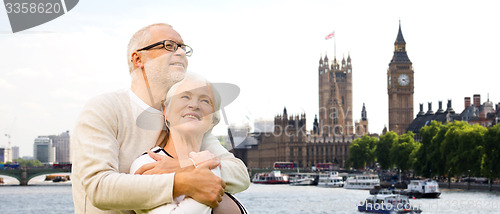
pixel 428 157
pixel 28 163
pixel 491 157
pixel 463 148
pixel 458 148
pixel 402 151
pixel 455 148
pixel 362 152
pixel 383 149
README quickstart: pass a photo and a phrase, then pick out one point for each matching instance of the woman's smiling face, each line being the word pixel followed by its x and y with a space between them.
pixel 191 108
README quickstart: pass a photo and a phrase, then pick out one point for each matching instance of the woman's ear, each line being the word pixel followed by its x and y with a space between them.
pixel 214 122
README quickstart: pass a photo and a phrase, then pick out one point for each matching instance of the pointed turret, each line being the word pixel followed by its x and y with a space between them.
pixel 400 39
pixel 363 113
pixel 400 55
pixel 316 125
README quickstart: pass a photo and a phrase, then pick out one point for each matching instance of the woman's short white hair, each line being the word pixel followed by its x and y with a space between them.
pixel 216 98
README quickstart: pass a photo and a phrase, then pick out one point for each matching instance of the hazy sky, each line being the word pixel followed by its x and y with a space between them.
pixel 270 49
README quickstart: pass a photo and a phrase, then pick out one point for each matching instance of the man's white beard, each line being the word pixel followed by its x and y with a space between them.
pixel 159 75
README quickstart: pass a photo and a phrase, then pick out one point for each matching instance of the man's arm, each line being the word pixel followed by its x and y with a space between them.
pixel 208 190
pixel 233 170
pixel 95 155
pixel 96 164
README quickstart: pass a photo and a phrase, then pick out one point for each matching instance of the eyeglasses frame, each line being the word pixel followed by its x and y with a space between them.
pixel 176 47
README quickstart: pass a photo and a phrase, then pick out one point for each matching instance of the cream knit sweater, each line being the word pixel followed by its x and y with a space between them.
pixel 111 132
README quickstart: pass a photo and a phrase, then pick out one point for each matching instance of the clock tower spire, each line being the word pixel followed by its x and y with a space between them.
pixel 400 87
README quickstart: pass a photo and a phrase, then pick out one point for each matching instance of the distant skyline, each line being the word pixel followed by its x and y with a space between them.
pixel 270 49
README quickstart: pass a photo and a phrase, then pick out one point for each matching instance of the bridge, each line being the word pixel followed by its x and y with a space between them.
pixel 23 175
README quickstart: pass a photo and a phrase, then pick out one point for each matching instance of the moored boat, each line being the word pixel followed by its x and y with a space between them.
pixel 330 179
pixel 274 177
pixel 423 189
pixel 303 179
pixel 362 181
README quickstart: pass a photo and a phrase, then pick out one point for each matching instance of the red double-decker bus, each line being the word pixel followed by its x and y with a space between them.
pixel 324 166
pixel 284 165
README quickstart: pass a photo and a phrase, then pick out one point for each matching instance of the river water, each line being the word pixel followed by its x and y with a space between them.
pixel 46 197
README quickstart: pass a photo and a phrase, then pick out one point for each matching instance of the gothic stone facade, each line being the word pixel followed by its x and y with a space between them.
pixel 335 97
pixel 290 142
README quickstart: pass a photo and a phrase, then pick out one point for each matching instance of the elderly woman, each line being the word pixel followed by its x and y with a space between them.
pixel 191 111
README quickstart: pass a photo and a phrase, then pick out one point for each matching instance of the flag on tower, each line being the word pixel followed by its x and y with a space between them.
pixel 329 36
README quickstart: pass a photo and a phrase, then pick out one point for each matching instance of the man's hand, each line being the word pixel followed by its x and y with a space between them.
pixel 200 183
pixel 163 165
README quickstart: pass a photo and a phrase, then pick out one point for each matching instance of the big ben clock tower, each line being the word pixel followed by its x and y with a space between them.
pixel 400 87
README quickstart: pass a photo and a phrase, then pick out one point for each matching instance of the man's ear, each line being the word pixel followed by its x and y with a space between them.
pixel 137 60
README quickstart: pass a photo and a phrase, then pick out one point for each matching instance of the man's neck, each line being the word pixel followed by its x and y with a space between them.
pixel 150 93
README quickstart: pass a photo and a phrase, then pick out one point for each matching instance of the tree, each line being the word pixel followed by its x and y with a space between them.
pixel 428 157
pixel 383 149
pixel 362 151
pixel 403 151
pixel 491 157
pixel 28 163
pixel 463 148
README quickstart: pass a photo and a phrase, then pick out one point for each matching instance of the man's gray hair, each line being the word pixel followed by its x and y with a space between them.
pixel 140 39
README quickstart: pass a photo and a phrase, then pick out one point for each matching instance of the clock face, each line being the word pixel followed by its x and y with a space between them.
pixel 403 80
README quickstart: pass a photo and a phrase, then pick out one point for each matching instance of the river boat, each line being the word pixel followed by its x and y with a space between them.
pixel 57 178
pixel 274 177
pixel 303 179
pixel 387 202
pixel 362 181
pixel 330 179
pixel 422 189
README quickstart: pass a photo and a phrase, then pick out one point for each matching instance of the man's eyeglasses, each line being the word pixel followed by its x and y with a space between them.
pixel 170 45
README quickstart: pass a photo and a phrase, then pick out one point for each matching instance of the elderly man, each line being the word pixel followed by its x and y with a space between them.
pixel 115 128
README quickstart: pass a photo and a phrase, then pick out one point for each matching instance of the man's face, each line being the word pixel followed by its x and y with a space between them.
pixel 162 66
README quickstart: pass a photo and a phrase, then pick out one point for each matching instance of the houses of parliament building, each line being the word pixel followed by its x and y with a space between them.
pixel 333 129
